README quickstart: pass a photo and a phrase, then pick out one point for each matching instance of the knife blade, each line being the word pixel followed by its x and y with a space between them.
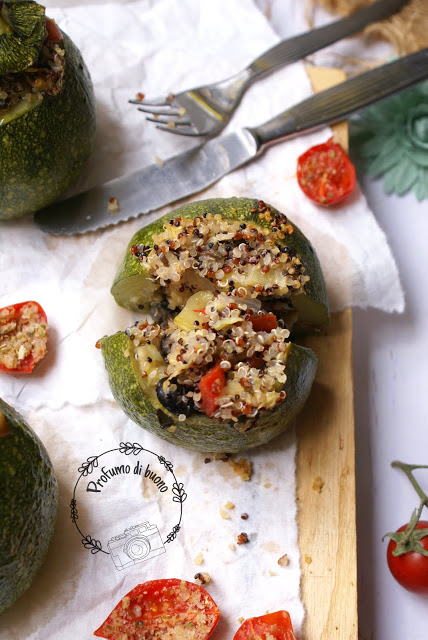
pixel 187 173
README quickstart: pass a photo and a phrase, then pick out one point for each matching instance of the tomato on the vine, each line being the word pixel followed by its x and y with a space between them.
pixel 325 173
pixel 410 569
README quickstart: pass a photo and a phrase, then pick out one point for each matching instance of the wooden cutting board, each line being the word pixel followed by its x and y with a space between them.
pixel 326 470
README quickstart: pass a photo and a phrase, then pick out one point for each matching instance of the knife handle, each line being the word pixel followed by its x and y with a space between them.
pixel 340 101
pixel 304 44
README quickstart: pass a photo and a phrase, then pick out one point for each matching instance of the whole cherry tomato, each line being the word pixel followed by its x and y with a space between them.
pixel 410 569
pixel 162 608
pixel 325 173
pixel 272 626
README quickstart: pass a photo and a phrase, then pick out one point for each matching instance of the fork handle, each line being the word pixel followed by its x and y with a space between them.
pixel 303 45
pixel 340 101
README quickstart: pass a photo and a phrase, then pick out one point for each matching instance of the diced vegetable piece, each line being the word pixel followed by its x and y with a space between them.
pixel 266 322
pixel 163 610
pixel 210 386
pixel 193 311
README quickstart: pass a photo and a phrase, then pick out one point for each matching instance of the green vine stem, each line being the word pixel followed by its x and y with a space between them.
pixel 409 539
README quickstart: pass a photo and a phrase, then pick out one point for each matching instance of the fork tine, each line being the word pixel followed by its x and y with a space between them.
pixel 159 111
pixel 156 102
pixel 179 131
pixel 170 122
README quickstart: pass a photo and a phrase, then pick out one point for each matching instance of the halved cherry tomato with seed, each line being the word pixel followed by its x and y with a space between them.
pixel 325 173
pixel 272 626
pixel 23 337
pixel 210 386
pixel 162 609
pixel 54 33
pixel 266 322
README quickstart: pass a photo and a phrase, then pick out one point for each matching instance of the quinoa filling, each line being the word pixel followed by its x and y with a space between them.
pixel 34 83
pixel 23 336
pixel 221 355
pixel 215 345
pixel 211 253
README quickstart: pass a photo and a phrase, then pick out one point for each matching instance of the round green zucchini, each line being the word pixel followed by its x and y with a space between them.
pixel 44 144
pixel 28 504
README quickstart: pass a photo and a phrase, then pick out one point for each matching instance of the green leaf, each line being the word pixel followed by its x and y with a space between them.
pixel 420 189
pixel 22 33
pixel 406 176
pixel 384 161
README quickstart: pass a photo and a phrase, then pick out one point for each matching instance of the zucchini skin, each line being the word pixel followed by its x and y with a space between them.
pixel 198 431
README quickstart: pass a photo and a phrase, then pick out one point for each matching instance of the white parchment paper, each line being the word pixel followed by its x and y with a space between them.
pixel 157 47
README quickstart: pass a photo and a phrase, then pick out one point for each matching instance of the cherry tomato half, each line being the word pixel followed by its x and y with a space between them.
pixel 325 173
pixel 162 608
pixel 410 569
pixel 28 320
pixel 272 626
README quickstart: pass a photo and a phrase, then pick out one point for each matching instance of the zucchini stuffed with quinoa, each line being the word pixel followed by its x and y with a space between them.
pixel 225 282
pixel 47 110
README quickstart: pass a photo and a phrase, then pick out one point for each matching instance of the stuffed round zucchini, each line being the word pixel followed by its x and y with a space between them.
pixel 225 282
pixel 47 110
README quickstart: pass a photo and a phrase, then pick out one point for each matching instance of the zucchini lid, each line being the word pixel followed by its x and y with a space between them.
pixel 134 288
pixel 22 33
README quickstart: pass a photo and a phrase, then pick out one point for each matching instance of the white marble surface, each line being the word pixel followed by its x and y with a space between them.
pixel 391 376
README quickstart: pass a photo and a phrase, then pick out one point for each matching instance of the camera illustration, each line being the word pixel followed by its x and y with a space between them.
pixel 135 544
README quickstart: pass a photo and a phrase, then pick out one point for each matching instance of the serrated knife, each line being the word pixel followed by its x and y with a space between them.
pixel 187 173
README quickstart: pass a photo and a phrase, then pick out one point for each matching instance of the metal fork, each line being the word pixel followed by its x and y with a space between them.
pixel 205 111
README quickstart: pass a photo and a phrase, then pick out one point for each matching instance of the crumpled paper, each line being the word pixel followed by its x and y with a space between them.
pixel 155 48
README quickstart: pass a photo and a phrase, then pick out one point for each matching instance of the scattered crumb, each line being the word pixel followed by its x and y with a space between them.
pixel 244 516
pixel 224 457
pixel 242 538
pixel 224 514
pixel 241 620
pixel 207 460
pixel 198 559
pixel 159 161
pixel 202 578
pixel 283 560
pixel 171 125
pixel 231 546
pixel 243 468
pixel 113 205
pixel 267 485
pixel 182 111
pixel 172 428
pixel 272 573
pixel 318 484
pixel 308 558
pixel 229 505
pixel 140 96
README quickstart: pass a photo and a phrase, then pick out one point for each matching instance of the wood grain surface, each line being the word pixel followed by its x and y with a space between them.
pixel 326 471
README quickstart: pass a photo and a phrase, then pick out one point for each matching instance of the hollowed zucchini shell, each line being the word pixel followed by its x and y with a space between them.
pixel 198 431
pixel 133 288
